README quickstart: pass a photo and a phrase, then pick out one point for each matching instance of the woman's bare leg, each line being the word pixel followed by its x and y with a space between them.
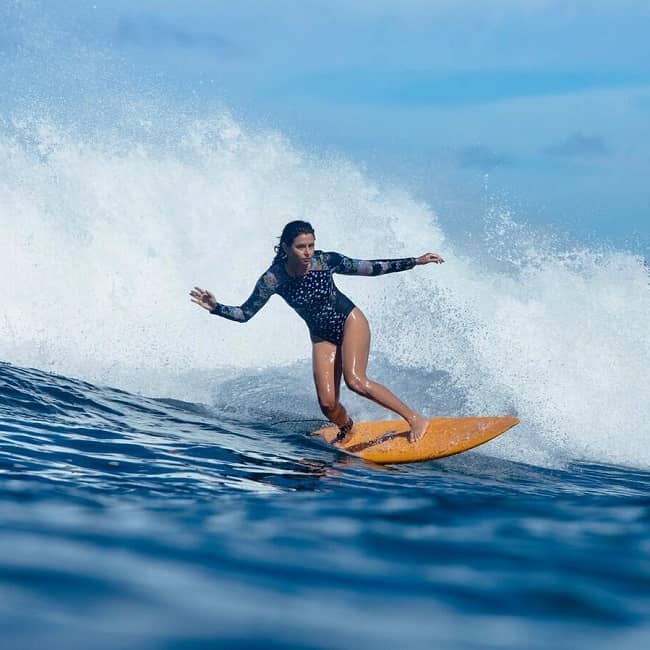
pixel 355 350
pixel 326 361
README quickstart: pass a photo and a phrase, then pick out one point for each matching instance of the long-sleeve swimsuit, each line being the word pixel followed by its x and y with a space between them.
pixel 314 295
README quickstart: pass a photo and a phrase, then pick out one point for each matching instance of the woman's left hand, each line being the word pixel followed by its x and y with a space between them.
pixel 428 258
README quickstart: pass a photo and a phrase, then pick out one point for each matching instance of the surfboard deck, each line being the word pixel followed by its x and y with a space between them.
pixel 387 441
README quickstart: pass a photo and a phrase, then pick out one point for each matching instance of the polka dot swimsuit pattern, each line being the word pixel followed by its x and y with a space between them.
pixel 321 305
pixel 313 296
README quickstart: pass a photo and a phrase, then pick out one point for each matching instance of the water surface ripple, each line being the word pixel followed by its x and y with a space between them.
pixel 142 523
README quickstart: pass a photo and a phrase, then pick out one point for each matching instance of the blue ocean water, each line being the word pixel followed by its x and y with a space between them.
pixel 132 522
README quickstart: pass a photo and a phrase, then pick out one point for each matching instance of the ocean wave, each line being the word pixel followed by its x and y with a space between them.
pixel 108 233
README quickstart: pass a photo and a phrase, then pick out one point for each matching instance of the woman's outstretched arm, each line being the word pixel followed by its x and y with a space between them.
pixel 264 289
pixel 350 266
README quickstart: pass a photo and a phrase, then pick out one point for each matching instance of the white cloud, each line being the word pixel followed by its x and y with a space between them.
pixel 580 145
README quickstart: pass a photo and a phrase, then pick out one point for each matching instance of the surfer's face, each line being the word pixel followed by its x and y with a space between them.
pixel 301 250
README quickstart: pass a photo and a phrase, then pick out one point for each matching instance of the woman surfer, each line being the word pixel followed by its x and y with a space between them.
pixel 339 331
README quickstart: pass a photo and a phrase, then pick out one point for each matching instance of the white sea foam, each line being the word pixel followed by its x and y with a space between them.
pixel 104 237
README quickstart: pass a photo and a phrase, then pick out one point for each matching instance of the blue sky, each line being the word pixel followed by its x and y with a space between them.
pixel 545 103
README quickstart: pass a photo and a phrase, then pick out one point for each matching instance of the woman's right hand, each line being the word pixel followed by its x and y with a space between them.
pixel 203 298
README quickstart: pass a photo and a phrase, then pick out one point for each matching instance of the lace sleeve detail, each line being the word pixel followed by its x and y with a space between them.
pixel 264 289
pixel 350 266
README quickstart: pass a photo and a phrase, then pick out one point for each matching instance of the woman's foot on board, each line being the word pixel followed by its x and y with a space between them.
pixel 344 432
pixel 419 426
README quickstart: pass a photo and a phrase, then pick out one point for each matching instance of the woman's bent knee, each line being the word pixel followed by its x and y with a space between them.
pixel 357 384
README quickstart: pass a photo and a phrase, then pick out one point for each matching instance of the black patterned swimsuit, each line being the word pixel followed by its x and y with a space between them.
pixel 313 295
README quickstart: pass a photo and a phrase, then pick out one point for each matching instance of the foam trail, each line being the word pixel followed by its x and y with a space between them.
pixel 104 236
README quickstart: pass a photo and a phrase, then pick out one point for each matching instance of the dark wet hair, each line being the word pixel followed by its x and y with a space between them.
pixel 289 233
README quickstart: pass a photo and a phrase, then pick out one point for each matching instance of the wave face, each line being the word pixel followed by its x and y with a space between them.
pixel 105 231
pixel 142 523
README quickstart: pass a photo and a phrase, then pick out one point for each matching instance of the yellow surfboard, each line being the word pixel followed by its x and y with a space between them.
pixel 387 441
